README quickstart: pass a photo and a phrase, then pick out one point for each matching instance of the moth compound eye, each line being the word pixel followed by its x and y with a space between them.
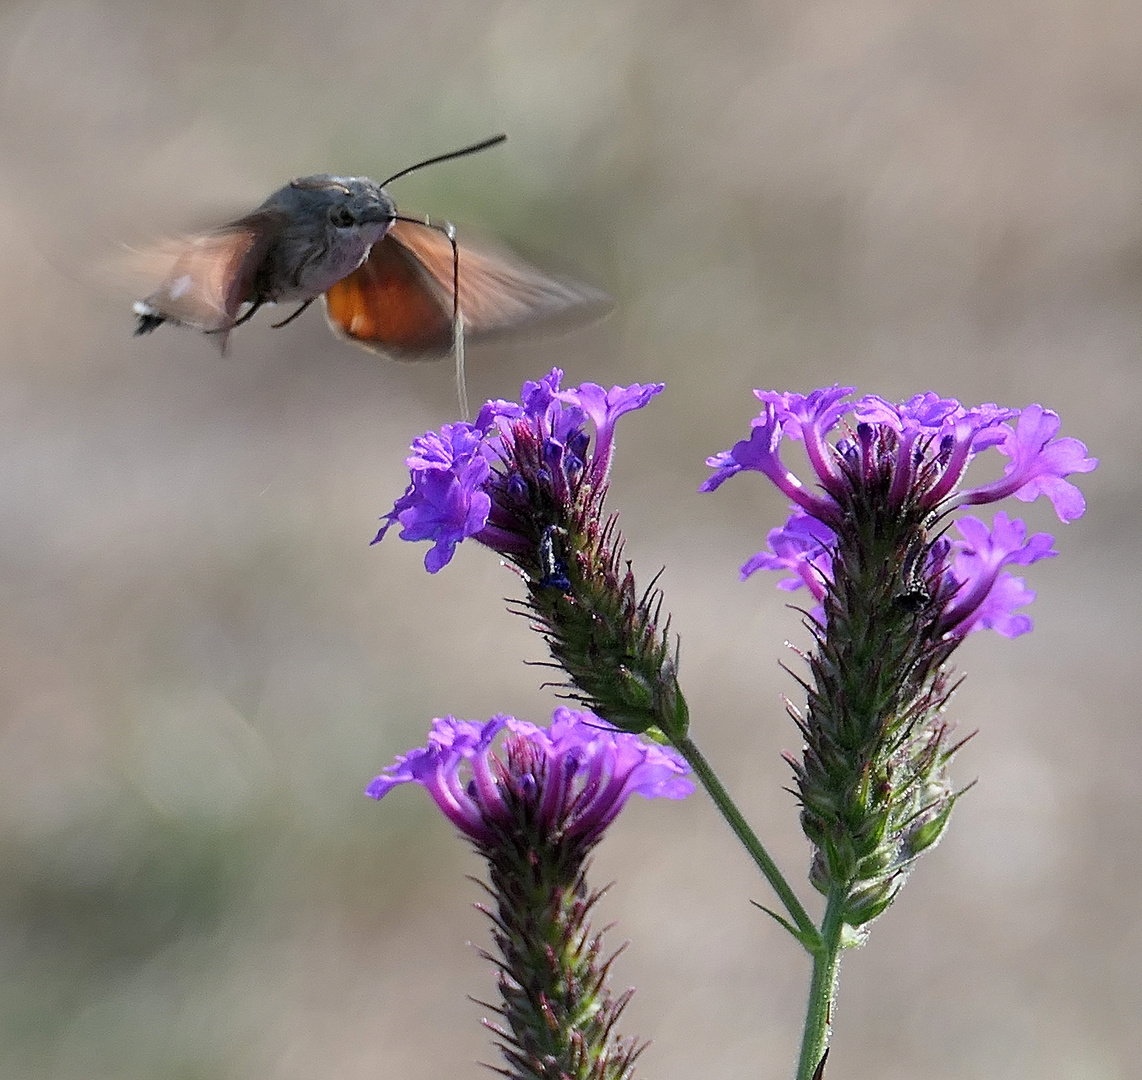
pixel 342 217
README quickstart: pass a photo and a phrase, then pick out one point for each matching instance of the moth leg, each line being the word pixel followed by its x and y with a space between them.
pixel 237 322
pixel 289 318
pixel 247 317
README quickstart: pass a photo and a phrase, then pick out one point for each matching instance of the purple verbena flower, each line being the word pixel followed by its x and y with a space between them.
pixel 802 546
pixel 528 479
pixel 872 540
pixel 515 472
pixel 983 596
pixel 909 460
pixel 924 444
pixel 979 594
pixel 446 500
pixel 535 806
pixel 573 777
pixel 1038 464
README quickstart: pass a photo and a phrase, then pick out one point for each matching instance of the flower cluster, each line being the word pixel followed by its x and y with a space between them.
pixel 899 578
pixel 896 595
pixel 914 455
pixel 535 809
pixel 570 780
pixel 528 480
pixel 516 473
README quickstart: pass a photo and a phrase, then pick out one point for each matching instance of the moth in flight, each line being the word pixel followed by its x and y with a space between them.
pixel 393 284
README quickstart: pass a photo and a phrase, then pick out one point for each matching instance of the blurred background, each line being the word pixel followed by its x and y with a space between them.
pixel 203 662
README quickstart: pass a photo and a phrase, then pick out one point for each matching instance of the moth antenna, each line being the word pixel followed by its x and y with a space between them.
pixel 475 148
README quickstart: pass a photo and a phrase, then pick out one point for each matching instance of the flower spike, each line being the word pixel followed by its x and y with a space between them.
pixel 897 591
pixel 535 808
pixel 528 480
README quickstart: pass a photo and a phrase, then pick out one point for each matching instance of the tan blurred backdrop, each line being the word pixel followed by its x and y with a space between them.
pixel 202 661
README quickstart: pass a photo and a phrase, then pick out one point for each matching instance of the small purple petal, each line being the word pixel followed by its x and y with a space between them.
pixel 603 408
pixel 810 417
pixel 997 612
pixel 821 410
pixel 447 508
pixel 436 767
pixel 802 547
pixel 977 562
pixel 1038 464
pixel 760 453
pixel 492 412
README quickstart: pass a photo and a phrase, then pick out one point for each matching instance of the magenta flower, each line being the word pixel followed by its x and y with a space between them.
pixel 534 808
pixel 980 594
pixel 909 460
pixel 874 542
pixel 923 445
pixel 445 501
pixel 983 595
pixel 1038 464
pixel 518 470
pixel 572 778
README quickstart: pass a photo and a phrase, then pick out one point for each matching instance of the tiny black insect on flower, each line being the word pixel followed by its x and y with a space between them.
pixel 554 574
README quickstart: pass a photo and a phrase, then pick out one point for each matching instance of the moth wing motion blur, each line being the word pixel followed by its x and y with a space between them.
pixel 391 285
pixel 207 278
pixel 399 300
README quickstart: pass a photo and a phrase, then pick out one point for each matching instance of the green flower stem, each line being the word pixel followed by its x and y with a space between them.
pixel 804 930
pixel 822 991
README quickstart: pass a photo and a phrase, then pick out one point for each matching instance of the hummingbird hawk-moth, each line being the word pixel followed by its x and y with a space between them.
pixel 392 284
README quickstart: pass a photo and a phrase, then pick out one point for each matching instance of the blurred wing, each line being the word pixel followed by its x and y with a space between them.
pixel 389 304
pixel 400 299
pixel 209 277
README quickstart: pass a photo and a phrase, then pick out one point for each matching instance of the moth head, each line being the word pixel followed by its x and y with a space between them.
pixel 349 204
